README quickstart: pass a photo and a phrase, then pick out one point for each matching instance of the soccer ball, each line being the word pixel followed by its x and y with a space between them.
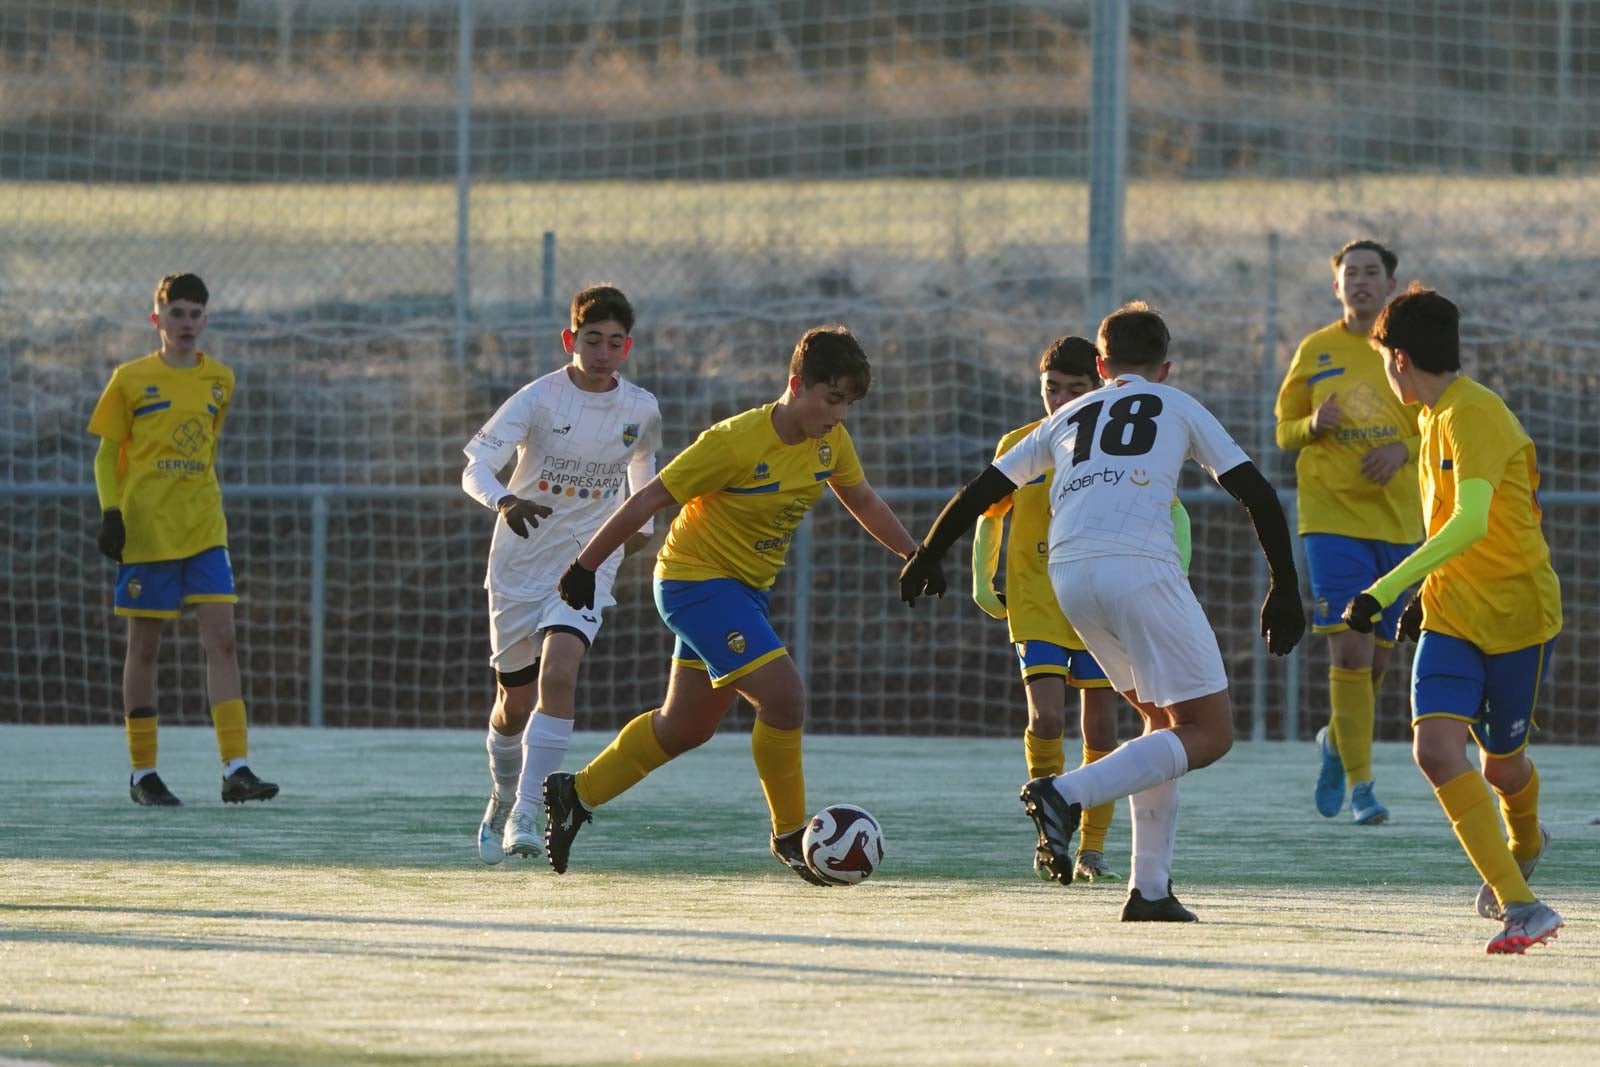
pixel 843 844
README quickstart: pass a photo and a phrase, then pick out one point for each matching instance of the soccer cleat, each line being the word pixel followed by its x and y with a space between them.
pixel 1488 903
pixel 564 815
pixel 1162 910
pixel 1365 808
pixel 1528 924
pixel 243 785
pixel 490 849
pixel 790 851
pixel 1039 869
pixel 1091 866
pixel 152 792
pixel 1056 820
pixel 522 834
pixel 1330 778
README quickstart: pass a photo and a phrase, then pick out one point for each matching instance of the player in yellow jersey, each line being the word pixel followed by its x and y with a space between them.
pixel 1051 654
pixel 745 485
pixel 1486 617
pixel 162 523
pixel 1359 513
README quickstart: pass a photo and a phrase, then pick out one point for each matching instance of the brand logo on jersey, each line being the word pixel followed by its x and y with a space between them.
pixel 630 433
pixel 1084 481
pixel 135 587
pixel 735 641
pixel 762 471
pixel 824 454
pixel 1324 357
pixel 589 618
pixel 216 392
pixel 1519 727
pixel 1135 475
pixel 561 432
pixel 152 390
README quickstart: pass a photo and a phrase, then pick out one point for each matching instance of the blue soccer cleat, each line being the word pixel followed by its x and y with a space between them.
pixel 1365 808
pixel 1330 779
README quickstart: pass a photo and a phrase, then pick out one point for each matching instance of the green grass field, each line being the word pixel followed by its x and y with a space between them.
pixel 349 921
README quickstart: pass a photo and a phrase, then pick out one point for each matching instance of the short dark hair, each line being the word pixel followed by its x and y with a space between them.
pixel 1134 335
pixel 602 303
pixel 1424 325
pixel 830 354
pixel 182 287
pixel 1390 260
pixel 1070 355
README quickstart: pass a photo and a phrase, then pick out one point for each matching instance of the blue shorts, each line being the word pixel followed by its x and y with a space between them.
pixel 157 590
pixel 722 626
pixel 1342 567
pixel 1452 679
pixel 1043 658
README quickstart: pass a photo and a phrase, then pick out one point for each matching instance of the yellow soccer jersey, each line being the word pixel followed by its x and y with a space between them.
pixel 744 493
pixel 1032 611
pixel 167 420
pixel 1334 495
pixel 1501 593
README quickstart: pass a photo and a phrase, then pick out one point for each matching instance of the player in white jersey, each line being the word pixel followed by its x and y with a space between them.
pixel 584 438
pixel 1114 563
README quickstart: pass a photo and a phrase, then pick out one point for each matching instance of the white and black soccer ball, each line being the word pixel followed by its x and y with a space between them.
pixel 843 844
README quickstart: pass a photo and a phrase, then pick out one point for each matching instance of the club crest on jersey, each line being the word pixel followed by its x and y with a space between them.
pixel 216 392
pixel 630 433
pixel 135 587
pixel 824 453
pixel 735 641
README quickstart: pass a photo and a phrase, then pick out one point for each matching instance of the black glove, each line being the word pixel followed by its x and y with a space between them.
pixel 921 576
pixel 113 536
pixel 1283 620
pixel 577 586
pixel 520 514
pixel 1411 619
pixel 1360 613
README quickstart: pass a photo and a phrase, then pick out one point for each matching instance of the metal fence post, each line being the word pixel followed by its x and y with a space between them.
pixel 1108 155
pixel 463 176
pixel 319 607
pixel 1267 459
pixel 800 559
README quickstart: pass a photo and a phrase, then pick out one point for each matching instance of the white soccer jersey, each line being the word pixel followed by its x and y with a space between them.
pixel 578 453
pixel 1117 452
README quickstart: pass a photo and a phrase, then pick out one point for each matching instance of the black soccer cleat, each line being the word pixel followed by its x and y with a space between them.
pixel 1162 910
pixel 789 850
pixel 564 814
pixel 152 792
pixel 1056 820
pixel 243 785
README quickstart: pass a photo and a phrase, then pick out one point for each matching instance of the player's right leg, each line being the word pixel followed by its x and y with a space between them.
pixel 147 595
pixel 778 694
pixel 549 731
pixel 514 647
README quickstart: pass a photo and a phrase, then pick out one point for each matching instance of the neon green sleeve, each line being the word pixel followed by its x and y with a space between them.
pixel 105 474
pixel 986 538
pixel 1467 523
pixel 1180 534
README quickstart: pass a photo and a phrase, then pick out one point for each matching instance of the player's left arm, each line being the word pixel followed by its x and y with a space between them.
pixel 876 517
pixel 1181 533
pixel 1467 524
pixel 641 471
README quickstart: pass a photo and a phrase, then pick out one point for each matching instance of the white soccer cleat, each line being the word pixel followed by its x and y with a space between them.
pixel 491 829
pixel 524 834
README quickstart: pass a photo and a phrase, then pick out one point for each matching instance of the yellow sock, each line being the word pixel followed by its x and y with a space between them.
pixel 1377 681
pixel 632 754
pixel 1096 820
pixel 1350 693
pixel 232 734
pixel 783 775
pixel 1468 802
pixel 141 726
pixel 1521 813
pixel 1044 754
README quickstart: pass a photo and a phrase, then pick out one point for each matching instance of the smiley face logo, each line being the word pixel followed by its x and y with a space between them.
pixel 1136 475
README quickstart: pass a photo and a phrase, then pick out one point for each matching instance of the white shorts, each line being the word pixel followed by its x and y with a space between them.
pixel 1140 620
pixel 516 628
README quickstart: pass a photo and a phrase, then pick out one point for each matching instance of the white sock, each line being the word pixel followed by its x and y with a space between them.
pixel 544 745
pixel 139 776
pixel 233 765
pixel 1155 835
pixel 1134 767
pixel 505 760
